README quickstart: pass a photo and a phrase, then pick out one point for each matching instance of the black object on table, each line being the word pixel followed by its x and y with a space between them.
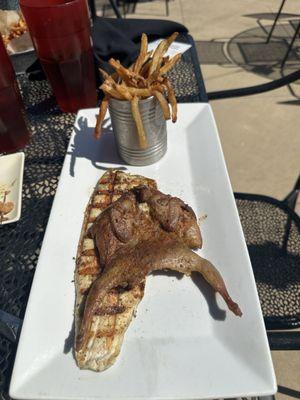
pixel 119 39
pixel 20 242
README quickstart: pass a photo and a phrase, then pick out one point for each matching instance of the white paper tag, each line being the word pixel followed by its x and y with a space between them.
pixel 175 48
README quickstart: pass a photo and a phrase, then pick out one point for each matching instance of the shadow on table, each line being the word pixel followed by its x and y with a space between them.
pixel 250 51
pixel 270 16
pixel 99 151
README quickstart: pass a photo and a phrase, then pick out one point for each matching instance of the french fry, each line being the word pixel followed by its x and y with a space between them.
pixel 104 74
pixel 159 52
pixel 160 87
pixel 163 103
pixel 130 77
pixel 101 116
pixel 111 78
pixel 146 65
pixel 140 92
pixel 172 100
pixel 145 69
pixel 143 54
pixel 148 56
pixel 139 123
pixel 108 89
pixel 157 58
pixel 165 60
pixel 170 64
pixel 124 73
pixel 170 40
pixel 124 92
pixel 143 79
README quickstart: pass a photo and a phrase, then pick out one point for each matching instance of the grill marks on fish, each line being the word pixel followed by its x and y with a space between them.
pixel 113 318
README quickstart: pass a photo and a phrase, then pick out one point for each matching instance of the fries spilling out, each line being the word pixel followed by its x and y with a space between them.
pixel 145 78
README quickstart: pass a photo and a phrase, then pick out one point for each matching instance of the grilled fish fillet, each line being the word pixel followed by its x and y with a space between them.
pixel 112 320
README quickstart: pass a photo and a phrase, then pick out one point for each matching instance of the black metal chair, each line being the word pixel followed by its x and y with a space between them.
pixel 256 89
pixel 272 233
pixel 136 1
pixel 127 6
pixel 112 3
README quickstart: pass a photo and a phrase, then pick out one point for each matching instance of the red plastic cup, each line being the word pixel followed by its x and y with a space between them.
pixel 61 34
pixel 14 134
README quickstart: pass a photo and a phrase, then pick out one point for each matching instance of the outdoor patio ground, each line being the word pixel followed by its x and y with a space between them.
pixel 260 134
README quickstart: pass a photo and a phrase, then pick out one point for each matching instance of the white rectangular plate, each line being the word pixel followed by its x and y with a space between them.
pixel 183 344
pixel 11 180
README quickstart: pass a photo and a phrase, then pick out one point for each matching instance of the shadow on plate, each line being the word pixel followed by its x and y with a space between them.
pixel 208 293
pixel 99 151
pixel 69 341
pixel 210 296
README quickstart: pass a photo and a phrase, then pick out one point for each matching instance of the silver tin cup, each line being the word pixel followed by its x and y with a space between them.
pixel 126 133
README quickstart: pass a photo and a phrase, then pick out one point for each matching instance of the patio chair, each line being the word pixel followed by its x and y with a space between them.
pixel 137 1
pixel 129 6
pixel 113 5
pixel 272 232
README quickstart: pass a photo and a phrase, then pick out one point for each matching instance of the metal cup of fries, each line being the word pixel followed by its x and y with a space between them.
pixel 127 137
pixel 139 100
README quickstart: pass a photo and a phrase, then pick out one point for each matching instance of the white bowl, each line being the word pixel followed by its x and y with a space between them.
pixel 11 181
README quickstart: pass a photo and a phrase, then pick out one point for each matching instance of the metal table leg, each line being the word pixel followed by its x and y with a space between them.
pixel 290 46
pixel 92 8
pixel 115 8
pixel 275 21
pixel 134 5
pixel 167 7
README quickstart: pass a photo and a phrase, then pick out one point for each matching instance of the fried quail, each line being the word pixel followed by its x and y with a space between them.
pixel 132 244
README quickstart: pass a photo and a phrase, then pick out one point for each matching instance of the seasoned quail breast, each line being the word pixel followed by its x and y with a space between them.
pixel 142 231
pixel 112 318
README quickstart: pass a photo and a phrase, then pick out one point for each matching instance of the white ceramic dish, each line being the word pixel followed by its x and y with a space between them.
pixel 183 344
pixel 20 45
pixel 11 180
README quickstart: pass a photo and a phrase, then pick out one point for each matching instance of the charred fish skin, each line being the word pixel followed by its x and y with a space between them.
pixel 112 319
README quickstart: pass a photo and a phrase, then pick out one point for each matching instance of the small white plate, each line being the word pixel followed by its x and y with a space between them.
pixel 11 181
pixel 183 343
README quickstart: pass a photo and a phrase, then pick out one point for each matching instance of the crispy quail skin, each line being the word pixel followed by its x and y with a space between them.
pixel 132 243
